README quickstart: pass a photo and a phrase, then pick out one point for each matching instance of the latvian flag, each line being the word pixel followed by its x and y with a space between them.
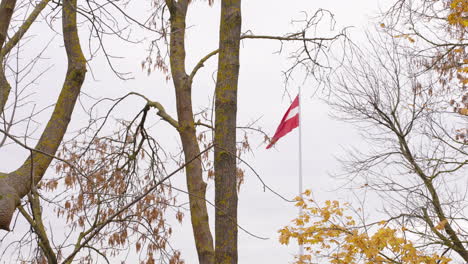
pixel 289 122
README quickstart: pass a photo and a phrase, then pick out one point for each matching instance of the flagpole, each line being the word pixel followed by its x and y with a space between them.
pixel 301 247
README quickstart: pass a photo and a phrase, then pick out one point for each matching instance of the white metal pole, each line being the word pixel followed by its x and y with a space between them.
pixel 301 247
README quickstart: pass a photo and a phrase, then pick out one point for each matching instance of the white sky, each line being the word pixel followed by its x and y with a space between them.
pixel 260 95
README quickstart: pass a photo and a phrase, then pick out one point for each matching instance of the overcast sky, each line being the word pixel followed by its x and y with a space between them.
pixel 261 95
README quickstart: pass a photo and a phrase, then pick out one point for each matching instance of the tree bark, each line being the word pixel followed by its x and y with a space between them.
pixel 6 11
pixel 15 185
pixel 225 132
pixel 194 172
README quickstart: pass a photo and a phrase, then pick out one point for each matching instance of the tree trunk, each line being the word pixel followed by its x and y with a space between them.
pixel 194 172
pixel 6 11
pixel 15 185
pixel 225 132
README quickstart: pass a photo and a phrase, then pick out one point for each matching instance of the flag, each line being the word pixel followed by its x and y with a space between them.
pixel 289 122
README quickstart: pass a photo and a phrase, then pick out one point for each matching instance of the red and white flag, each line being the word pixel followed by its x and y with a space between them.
pixel 289 122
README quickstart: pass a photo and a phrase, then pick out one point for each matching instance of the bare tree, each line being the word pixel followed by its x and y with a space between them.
pixel 438 33
pixel 414 161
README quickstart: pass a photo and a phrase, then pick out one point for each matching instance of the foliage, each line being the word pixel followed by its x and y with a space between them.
pixel 111 192
pixel 458 11
pixel 438 36
pixel 330 233
pixel 397 91
pixel 458 20
pixel 102 181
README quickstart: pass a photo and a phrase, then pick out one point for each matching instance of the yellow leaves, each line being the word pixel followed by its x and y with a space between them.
pixel 326 215
pixel 454 4
pixel 335 235
pixel 299 222
pixel 463 70
pixel 458 17
pixel 304 259
pixel 351 223
pixel 285 235
pixel 300 203
pixel 383 222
